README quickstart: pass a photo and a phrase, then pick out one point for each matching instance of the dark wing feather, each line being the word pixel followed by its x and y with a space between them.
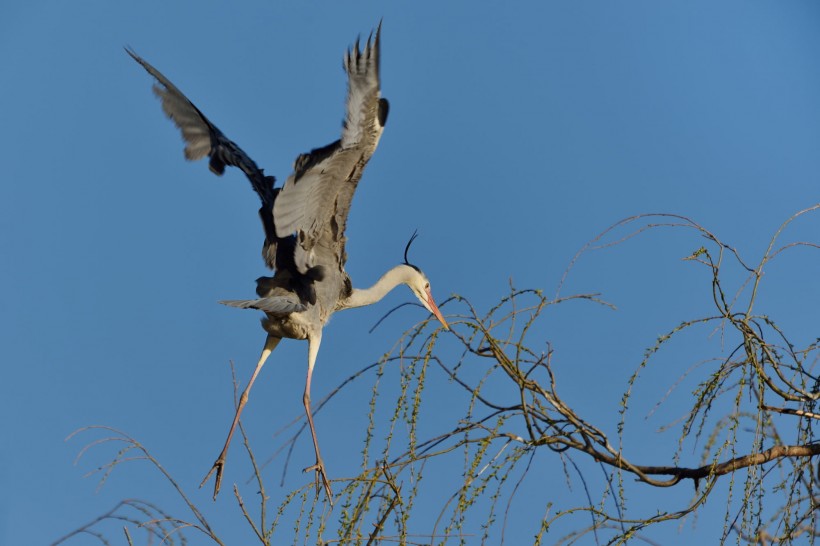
pixel 315 201
pixel 203 138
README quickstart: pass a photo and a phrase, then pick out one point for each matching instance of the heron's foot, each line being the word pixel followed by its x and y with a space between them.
pixel 319 468
pixel 218 466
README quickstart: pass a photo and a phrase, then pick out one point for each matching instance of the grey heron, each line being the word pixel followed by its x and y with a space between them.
pixel 304 223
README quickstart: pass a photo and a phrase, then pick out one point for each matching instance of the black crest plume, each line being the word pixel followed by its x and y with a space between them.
pixel 410 242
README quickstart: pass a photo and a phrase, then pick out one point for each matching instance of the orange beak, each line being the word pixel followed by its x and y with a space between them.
pixel 431 304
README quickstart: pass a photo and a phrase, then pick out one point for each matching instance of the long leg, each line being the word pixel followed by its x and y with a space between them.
pixel 270 345
pixel 314 340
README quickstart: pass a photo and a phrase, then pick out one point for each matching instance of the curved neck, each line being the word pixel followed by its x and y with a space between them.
pixel 401 274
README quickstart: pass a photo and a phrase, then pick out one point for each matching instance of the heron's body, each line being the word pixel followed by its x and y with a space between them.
pixel 304 221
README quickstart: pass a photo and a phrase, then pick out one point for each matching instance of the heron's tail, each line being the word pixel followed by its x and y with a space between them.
pixel 275 305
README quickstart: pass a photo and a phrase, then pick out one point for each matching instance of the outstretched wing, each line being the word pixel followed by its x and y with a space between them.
pixel 203 138
pixel 315 200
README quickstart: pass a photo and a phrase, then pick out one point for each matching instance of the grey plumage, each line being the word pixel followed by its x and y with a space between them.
pixel 304 221
pixel 281 305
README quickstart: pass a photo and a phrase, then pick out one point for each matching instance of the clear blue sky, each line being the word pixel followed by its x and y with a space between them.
pixel 516 134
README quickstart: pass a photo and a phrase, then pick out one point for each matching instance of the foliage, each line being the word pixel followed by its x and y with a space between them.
pixel 751 412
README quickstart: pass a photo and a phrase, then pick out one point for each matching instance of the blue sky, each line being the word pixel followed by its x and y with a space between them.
pixel 516 134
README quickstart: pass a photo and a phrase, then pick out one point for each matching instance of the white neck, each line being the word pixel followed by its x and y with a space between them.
pixel 401 274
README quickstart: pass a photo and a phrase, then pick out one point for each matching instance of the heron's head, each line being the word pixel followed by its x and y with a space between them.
pixel 418 283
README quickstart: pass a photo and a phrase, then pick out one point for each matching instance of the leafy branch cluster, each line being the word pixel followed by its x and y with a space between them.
pixel 753 409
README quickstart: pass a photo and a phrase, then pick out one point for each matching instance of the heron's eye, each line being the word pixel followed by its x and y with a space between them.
pixel 427 286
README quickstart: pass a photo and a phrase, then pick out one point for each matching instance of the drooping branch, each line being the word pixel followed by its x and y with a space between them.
pixel 508 407
pixel 792 411
pixel 710 470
